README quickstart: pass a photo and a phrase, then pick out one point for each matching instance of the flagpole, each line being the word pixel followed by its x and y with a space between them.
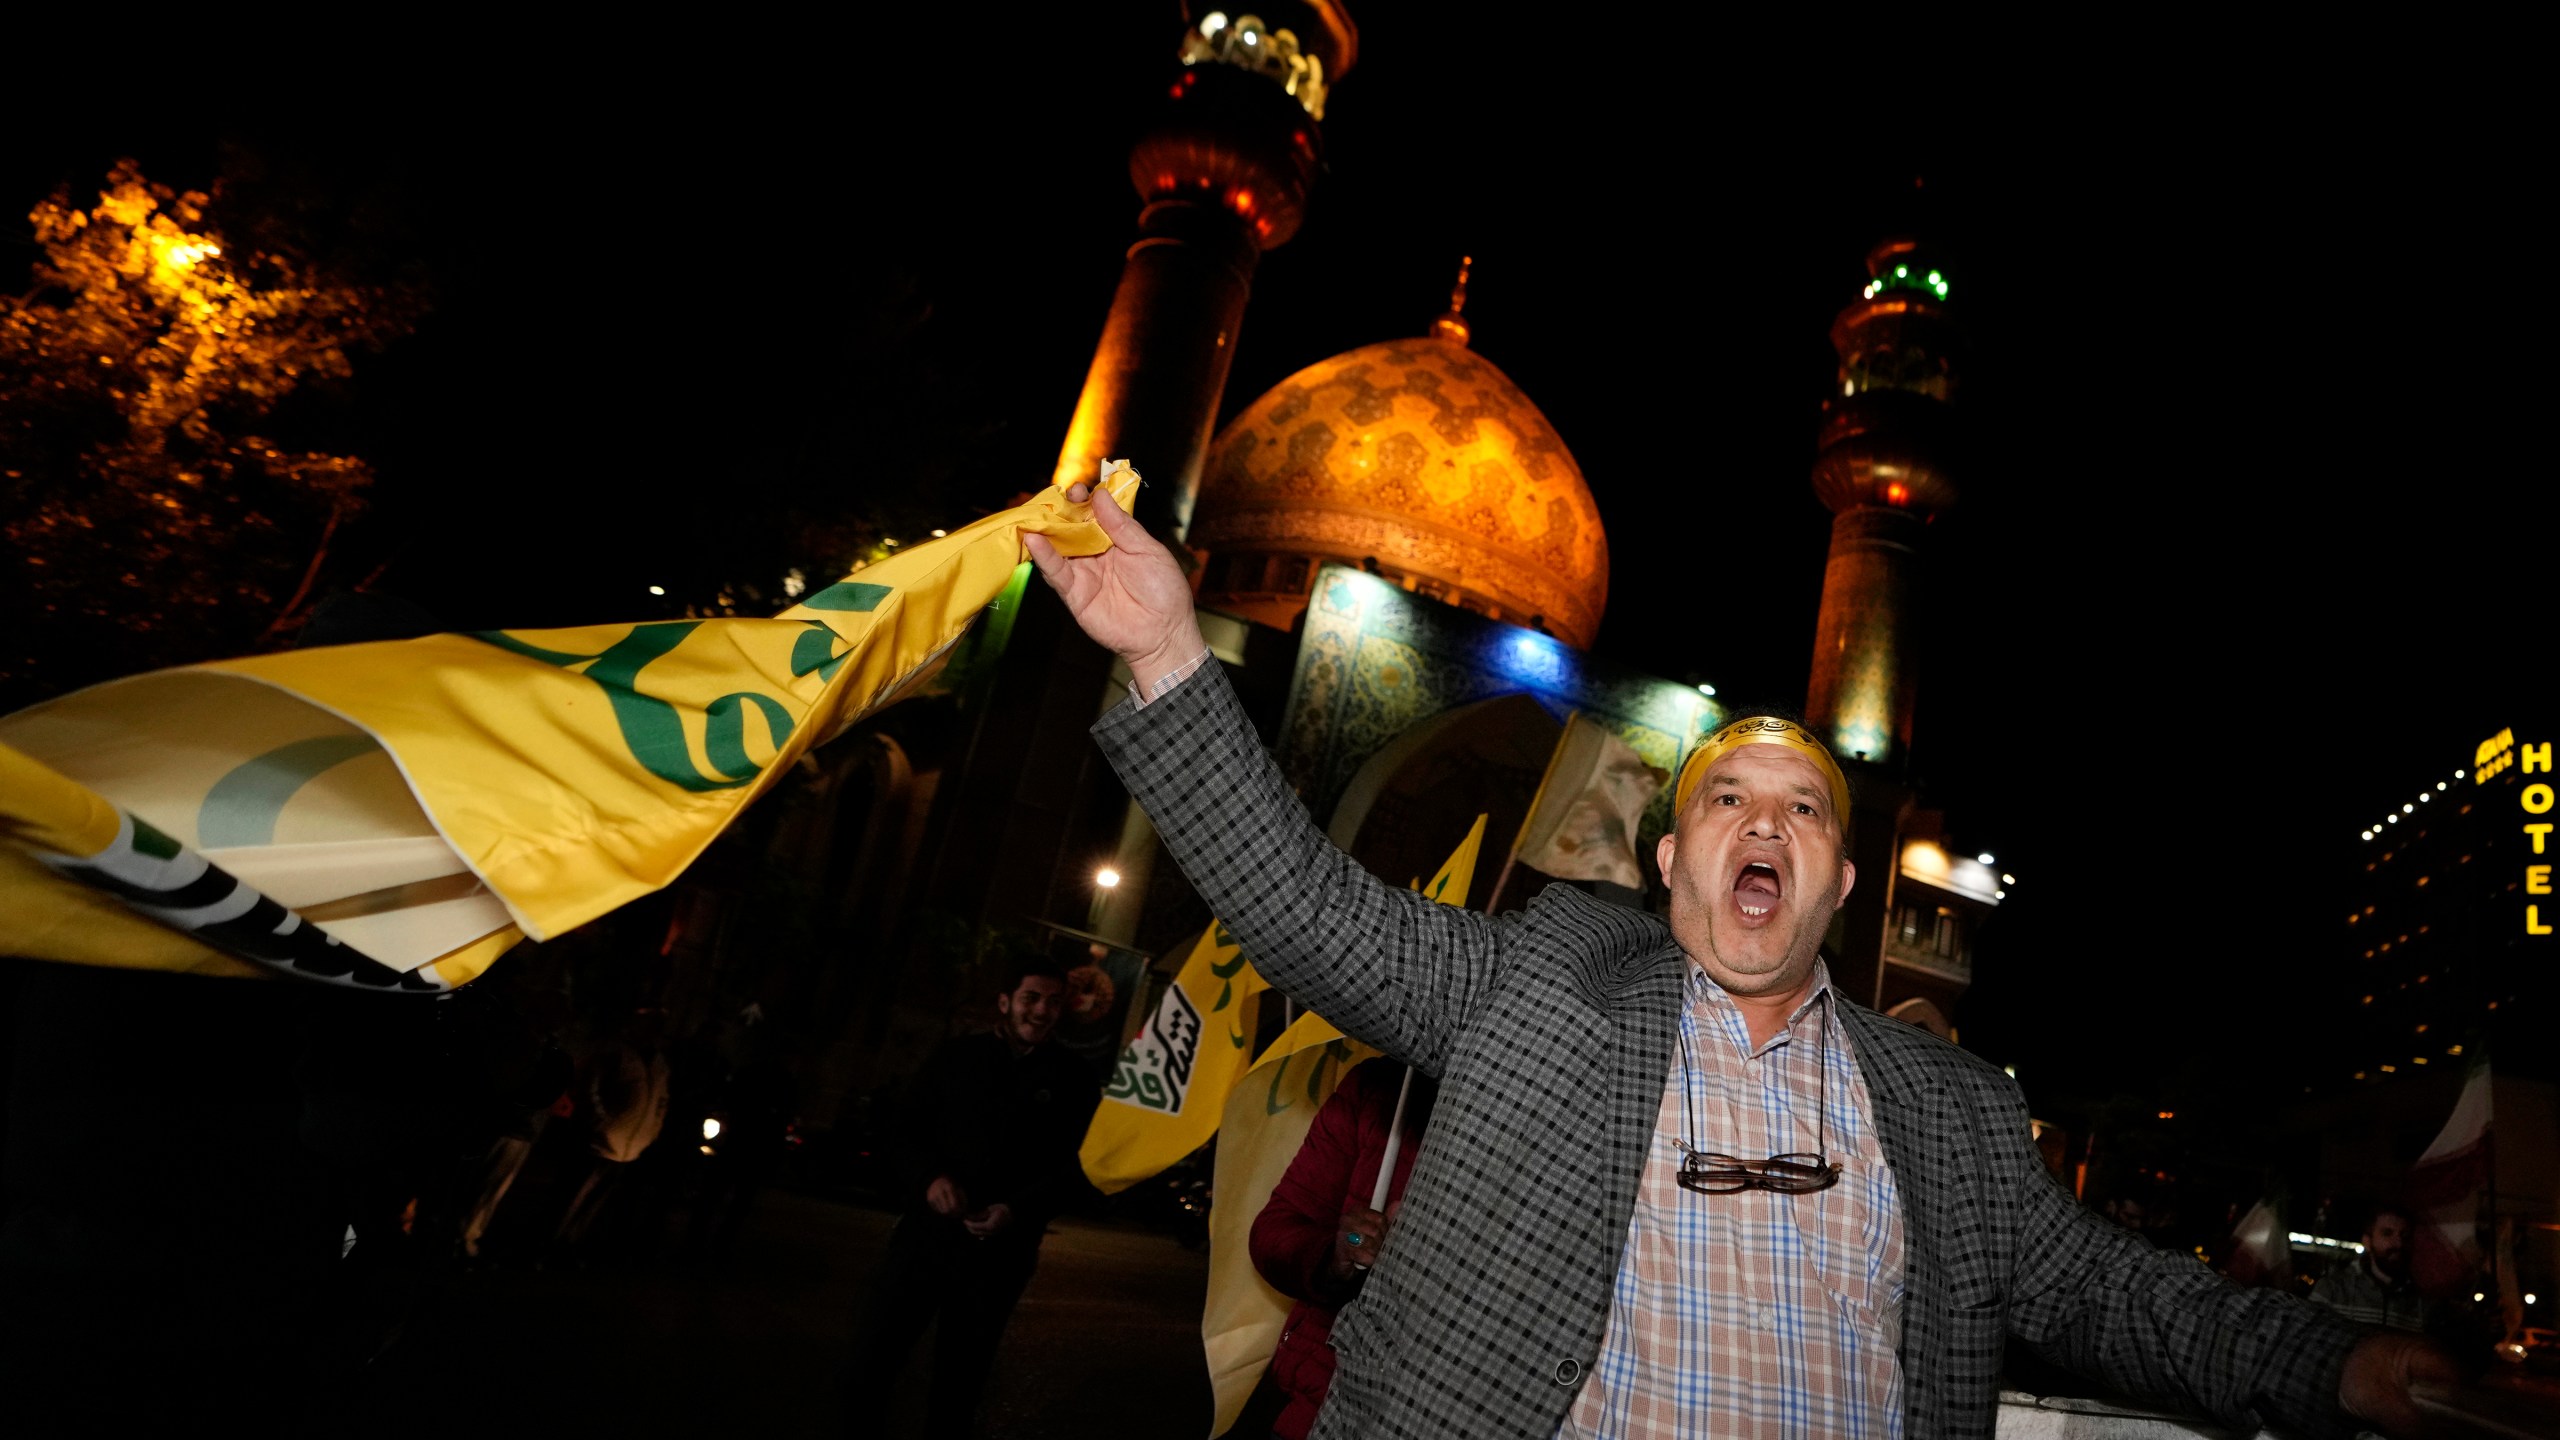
pixel 1503 877
pixel 1395 1145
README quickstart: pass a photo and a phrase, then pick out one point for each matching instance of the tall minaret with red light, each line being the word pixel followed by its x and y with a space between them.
pixel 1883 467
pixel 1222 174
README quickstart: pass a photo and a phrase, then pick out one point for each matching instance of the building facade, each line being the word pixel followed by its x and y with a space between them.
pixel 2446 960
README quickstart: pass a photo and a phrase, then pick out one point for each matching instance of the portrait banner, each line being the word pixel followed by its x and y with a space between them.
pixel 1582 825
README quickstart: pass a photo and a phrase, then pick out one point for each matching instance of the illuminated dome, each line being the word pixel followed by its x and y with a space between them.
pixel 1418 459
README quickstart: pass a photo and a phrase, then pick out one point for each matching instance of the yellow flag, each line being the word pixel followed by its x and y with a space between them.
pixel 1457 874
pixel 1165 1095
pixel 423 803
pixel 1266 1120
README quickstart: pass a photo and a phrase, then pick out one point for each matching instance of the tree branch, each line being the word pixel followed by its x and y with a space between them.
pixel 310 573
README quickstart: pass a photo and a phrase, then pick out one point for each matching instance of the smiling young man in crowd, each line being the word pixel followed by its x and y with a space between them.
pixel 984 1153
pixel 1676 1186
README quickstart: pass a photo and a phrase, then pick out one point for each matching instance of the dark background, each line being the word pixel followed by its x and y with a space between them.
pixel 2255 506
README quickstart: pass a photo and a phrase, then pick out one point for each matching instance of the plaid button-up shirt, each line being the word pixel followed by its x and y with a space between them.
pixel 1756 1314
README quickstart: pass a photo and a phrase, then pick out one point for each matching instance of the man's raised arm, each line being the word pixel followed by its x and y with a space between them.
pixel 1386 965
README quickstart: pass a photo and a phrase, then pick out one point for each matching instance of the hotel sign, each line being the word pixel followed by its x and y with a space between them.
pixel 2534 798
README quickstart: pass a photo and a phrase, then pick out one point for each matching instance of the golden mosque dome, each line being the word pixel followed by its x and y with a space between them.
pixel 1417 459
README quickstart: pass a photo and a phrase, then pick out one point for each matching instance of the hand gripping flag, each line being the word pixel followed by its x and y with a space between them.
pixel 1266 1120
pixel 395 815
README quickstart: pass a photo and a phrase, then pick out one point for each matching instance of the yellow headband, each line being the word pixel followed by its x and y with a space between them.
pixel 1763 730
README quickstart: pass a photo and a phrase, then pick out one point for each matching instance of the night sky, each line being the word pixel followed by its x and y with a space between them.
pixel 2255 516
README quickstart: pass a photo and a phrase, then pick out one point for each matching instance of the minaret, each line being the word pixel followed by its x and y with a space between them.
pixel 1021 817
pixel 1222 175
pixel 1883 468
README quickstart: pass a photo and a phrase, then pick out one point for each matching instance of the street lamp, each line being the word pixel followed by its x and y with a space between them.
pixel 1107 878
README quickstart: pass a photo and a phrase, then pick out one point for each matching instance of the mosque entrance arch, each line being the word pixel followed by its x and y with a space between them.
pixel 1410 803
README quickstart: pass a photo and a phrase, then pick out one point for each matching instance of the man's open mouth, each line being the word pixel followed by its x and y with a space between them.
pixel 1756 889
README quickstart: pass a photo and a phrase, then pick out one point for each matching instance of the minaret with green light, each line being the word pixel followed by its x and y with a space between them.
pixel 1883 467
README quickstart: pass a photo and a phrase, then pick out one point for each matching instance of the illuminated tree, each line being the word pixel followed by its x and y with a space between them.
pixel 148 519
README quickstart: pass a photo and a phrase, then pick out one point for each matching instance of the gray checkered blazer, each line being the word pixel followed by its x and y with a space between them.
pixel 1551 1032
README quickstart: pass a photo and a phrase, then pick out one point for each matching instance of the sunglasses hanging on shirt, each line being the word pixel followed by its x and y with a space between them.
pixel 1709 1173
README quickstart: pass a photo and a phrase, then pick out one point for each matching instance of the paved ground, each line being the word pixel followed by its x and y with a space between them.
pixel 1106 1342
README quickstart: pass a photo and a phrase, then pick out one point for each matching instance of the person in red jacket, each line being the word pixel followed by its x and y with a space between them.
pixel 1317 1237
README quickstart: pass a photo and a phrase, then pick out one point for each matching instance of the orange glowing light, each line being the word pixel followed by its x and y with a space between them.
pixel 1897 493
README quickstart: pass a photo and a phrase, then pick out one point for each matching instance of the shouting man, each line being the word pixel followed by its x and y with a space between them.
pixel 1676 1186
